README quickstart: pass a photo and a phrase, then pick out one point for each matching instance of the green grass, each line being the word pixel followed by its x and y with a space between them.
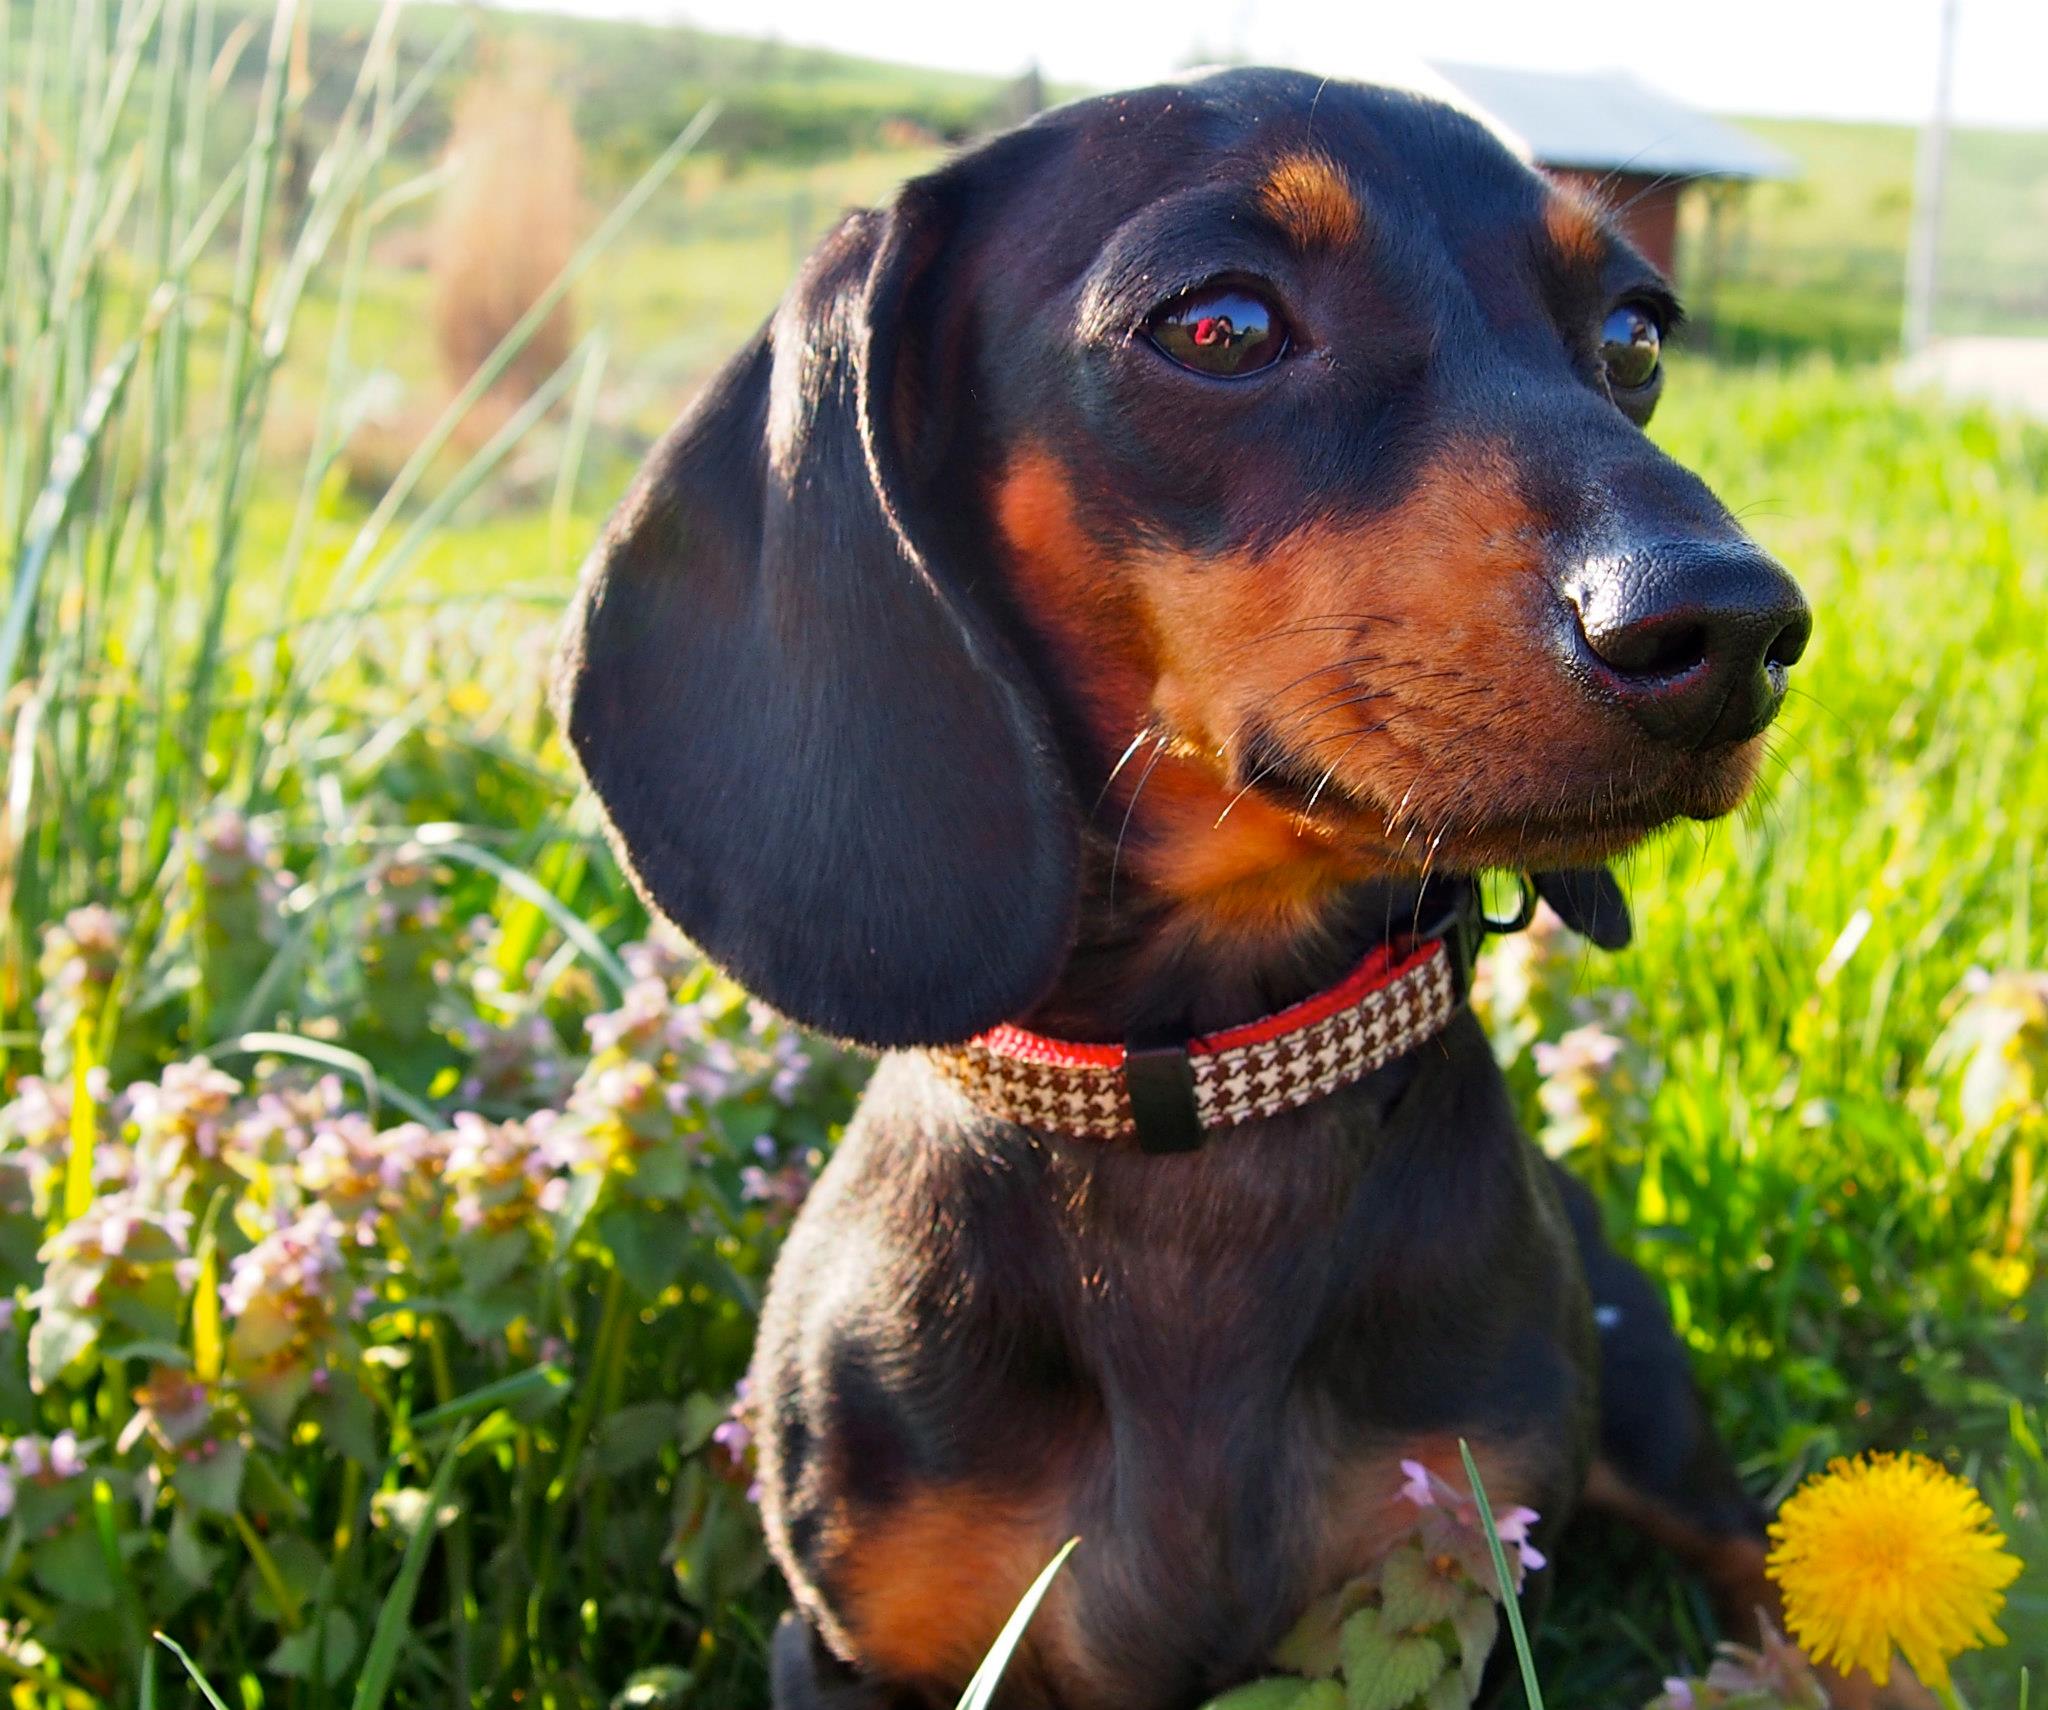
pixel 1826 1240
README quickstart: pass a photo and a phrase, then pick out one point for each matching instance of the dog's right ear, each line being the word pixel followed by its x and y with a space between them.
pixel 817 755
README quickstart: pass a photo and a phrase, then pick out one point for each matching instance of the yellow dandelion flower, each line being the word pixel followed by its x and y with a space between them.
pixel 1890 1552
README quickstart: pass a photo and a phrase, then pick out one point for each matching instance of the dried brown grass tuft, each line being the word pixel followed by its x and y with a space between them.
pixel 509 220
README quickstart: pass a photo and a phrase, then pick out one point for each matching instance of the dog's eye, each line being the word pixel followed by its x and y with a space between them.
pixel 1630 347
pixel 1223 330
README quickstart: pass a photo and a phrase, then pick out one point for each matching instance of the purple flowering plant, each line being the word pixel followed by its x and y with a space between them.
pixel 344 1191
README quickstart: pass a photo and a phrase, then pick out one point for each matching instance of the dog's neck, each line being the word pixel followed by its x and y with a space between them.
pixel 1149 965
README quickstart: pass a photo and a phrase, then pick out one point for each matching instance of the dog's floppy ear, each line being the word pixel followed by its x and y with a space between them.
pixel 817 755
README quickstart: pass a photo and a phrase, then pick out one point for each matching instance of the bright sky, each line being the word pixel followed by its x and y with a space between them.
pixel 1832 58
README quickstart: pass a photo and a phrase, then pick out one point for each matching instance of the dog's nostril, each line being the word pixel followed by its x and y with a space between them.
pixel 1666 647
pixel 1789 644
pixel 1691 639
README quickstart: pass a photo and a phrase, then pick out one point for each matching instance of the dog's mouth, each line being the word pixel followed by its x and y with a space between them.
pixel 1455 822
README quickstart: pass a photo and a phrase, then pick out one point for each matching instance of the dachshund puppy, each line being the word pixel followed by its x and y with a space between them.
pixel 1085 647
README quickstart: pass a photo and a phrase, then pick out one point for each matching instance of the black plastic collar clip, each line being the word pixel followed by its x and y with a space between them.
pixel 1161 1082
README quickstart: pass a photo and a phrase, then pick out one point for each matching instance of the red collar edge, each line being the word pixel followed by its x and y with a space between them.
pixel 1382 966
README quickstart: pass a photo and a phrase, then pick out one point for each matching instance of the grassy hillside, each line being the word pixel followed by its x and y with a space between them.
pixel 1819 261
pixel 633 86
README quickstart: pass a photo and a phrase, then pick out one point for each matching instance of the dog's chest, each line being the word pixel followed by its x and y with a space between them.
pixel 1241 1456
pixel 1208 1369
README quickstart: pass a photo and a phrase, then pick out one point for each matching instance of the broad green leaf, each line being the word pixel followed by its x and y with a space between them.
pixel 633 1436
pixel 212 1483
pixel 293 1657
pixel 72 1568
pixel 346 1418
pixel 1314 1646
pixel 1383 1672
pixel 1413 1596
pixel 1476 1621
pixel 57 1341
pixel 191 1559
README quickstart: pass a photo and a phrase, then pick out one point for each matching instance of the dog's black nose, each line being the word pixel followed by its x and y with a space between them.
pixel 1693 639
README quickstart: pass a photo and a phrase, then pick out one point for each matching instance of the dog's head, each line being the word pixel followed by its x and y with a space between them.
pixel 1254 468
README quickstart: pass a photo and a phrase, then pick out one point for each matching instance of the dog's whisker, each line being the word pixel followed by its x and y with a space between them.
pixel 1149 728
pixel 1116 854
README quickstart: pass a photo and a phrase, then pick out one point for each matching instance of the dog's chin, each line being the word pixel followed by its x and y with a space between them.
pixel 1602 819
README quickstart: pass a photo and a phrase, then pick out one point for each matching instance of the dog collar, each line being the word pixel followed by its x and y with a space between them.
pixel 1167 1098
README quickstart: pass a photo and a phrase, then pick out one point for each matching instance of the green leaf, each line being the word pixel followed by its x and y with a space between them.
pixel 1450 1693
pixel 290 1575
pixel 212 1484
pixel 394 1617
pixel 649 1247
pixel 192 1668
pixel 266 1494
pixel 191 1559
pixel 1476 1621
pixel 293 1658
pixel 1314 1645
pixel 701 1415
pixel 633 1436
pixel 1413 1596
pixel 346 1419
pixel 530 1393
pixel 1383 1672
pixel 1531 1689
pixel 57 1341
pixel 72 1568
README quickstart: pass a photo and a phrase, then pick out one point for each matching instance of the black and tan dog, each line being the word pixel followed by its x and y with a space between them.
pixel 1144 570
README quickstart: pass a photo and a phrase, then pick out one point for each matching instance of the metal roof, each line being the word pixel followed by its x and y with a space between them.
pixel 1607 121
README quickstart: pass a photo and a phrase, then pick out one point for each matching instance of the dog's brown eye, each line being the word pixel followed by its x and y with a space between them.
pixel 1631 347
pixel 1220 330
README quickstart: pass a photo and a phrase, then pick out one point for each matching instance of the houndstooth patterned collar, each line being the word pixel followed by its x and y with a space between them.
pixel 1166 1100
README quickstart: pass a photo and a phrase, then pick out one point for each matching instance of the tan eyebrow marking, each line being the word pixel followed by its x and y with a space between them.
pixel 1308 194
pixel 1575 225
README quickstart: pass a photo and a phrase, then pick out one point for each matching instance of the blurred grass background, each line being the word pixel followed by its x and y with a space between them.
pixel 309 559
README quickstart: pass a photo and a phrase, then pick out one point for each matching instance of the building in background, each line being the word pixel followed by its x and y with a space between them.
pixel 1639 151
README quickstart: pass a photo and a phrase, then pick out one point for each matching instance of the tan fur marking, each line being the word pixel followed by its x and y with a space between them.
pixel 1408 655
pixel 931 1581
pixel 1575 225
pixel 1313 201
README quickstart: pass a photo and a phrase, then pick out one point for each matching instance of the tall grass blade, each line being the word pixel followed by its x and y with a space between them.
pixel 981 1690
pixel 199 1680
pixel 1509 1601
pixel 376 1090
pixel 395 1614
pixel 53 504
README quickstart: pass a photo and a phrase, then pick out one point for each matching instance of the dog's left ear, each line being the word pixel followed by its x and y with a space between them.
pixel 816 751
pixel 1589 901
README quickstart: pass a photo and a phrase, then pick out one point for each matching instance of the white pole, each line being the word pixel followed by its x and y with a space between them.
pixel 1923 258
